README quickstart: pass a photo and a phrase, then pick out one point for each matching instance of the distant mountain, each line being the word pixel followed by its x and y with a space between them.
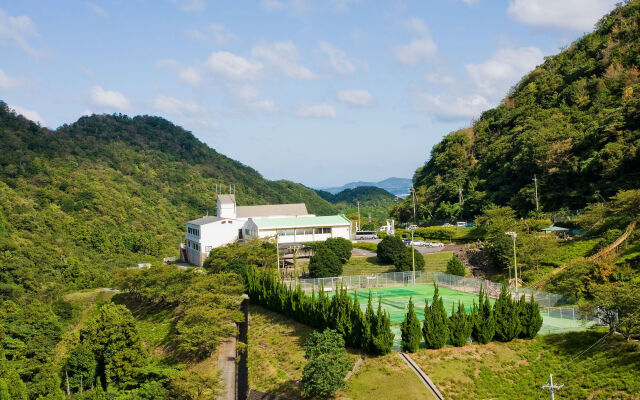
pixel 395 186
pixel 366 195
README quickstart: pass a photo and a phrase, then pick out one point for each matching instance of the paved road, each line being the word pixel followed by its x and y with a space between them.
pixel 227 364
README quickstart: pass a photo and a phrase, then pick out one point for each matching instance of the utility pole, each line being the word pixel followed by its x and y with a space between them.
pixel 413 196
pixel 515 261
pixel 278 254
pixel 460 197
pixel 359 225
pixel 535 181
pixel 413 258
pixel 551 387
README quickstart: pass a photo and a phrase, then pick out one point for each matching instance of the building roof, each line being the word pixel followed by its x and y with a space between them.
pixel 302 222
pixel 271 210
pixel 555 229
pixel 205 220
pixel 227 198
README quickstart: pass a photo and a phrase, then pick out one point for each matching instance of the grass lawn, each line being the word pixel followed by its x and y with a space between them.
pixel 498 370
pixel 365 265
pixel 386 377
pixel 276 360
pixel 437 262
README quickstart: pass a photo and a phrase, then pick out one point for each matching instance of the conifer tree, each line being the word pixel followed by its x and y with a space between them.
pixel 370 325
pixel 506 313
pixel 435 328
pixel 357 323
pixel 484 324
pixel 410 329
pixel 382 335
pixel 460 325
pixel 530 318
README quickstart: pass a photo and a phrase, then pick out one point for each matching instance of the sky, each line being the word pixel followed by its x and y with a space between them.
pixel 318 92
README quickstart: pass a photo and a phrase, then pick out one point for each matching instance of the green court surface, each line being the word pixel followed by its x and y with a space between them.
pixel 395 299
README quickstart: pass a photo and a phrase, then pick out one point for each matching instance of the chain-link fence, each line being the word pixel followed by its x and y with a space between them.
pixel 558 311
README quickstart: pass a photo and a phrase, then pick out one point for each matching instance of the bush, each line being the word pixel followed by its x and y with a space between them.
pixel 405 261
pixel 327 364
pixel 435 327
pixel 341 247
pixel 80 367
pixel 506 313
pixel 455 266
pixel 460 326
pixel 410 329
pixel 530 318
pixel 390 249
pixel 484 323
pixel 324 263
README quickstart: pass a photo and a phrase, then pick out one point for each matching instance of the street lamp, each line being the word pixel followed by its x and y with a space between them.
pixel 515 262
pixel 413 255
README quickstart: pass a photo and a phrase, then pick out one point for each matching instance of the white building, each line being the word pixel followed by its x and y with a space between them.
pixel 291 223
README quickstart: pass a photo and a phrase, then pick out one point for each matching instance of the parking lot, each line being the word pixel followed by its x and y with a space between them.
pixel 421 249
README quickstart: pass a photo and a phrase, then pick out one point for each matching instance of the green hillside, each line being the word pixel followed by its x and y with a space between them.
pixel 110 191
pixel 573 121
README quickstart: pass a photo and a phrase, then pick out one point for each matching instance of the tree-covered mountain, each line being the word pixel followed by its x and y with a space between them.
pixel 573 122
pixel 396 186
pixel 108 190
pixel 373 201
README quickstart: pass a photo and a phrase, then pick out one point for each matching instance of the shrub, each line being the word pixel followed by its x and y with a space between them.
pixel 324 263
pixel 530 318
pixel 435 327
pixel 341 247
pixel 404 262
pixel 80 367
pixel 507 318
pixel 327 364
pixel 390 249
pixel 455 266
pixel 460 326
pixel 484 323
pixel 410 329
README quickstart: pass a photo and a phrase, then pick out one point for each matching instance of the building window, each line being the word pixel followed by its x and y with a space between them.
pixel 321 231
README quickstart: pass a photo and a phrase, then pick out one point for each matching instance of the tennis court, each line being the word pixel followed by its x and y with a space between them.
pixel 395 299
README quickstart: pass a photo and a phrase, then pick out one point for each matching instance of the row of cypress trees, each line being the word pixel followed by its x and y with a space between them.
pixel 506 320
pixel 370 331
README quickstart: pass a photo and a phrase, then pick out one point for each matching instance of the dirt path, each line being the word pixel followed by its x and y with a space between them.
pixel 227 366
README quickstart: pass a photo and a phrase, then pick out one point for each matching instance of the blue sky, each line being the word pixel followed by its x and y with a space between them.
pixel 319 92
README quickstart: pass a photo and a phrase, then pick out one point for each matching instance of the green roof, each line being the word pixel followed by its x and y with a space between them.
pixel 301 222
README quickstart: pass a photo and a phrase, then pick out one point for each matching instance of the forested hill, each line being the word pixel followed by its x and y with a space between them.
pixel 574 122
pixel 366 195
pixel 109 190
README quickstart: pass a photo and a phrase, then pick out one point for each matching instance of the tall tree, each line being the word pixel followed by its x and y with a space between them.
pixel 506 313
pixel 410 328
pixel 435 328
pixel 484 324
pixel 460 326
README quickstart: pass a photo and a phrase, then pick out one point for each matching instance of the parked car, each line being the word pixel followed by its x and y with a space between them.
pixel 436 244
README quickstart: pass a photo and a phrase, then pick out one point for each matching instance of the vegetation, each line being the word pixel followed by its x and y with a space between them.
pixel 324 263
pixel 410 329
pixel 484 322
pixel 327 364
pixel 435 327
pixel 374 201
pixel 460 326
pixel 610 370
pixel 392 249
pixel 455 267
pixel 341 247
pixel 369 331
pixel 571 121
pixel 506 313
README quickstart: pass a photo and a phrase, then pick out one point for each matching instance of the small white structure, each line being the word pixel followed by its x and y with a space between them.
pixel 290 223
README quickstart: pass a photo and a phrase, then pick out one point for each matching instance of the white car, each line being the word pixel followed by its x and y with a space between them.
pixel 436 244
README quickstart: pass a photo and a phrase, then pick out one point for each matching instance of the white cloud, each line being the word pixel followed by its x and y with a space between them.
pixel 451 108
pixel 28 114
pixel 417 26
pixel 18 29
pixel 505 67
pixel 189 75
pixel 217 33
pixel 96 9
pixel 416 51
pixel 8 82
pixel 234 67
pixel 440 79
pixel 576 15
pixel 109 99
pixel 360 98
pixel 318 111
pixel 174 106
pixel 337 59
pixel 249 96
pixel 284 56
pixel 189 5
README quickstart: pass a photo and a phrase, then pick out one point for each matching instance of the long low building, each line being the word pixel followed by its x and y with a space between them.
pixel 290 223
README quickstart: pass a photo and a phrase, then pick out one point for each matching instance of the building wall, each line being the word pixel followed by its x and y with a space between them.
pixel 296 237
pixel 211 235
